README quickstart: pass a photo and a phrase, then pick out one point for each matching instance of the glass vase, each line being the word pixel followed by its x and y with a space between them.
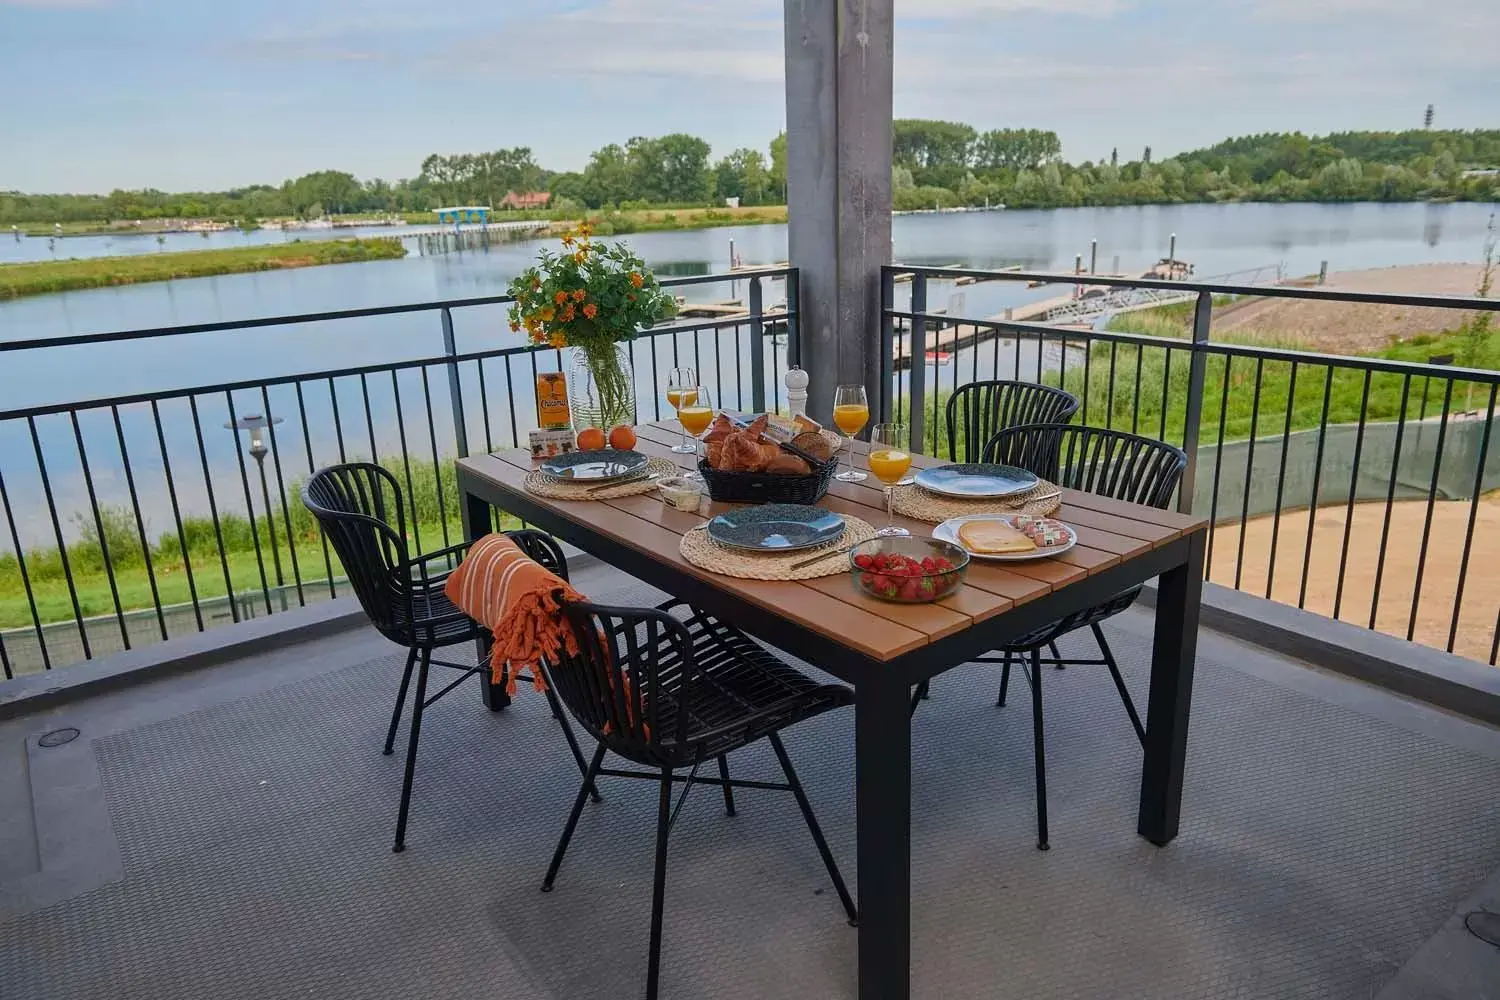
pixel 601 386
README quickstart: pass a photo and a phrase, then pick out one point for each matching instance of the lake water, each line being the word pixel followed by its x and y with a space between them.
pixel 1217 239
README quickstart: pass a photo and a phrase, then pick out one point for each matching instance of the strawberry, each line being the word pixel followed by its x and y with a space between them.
pixel 943 563
pixel 891 589
pixel 868 580
pixel 864 561
pixel 880 562
pixel 929 564
pixel 926 588
pixel 909 589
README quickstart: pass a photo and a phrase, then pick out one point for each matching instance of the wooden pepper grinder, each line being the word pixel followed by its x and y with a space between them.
pixel 796 391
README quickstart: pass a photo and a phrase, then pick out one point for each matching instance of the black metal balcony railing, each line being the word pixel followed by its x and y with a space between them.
pixel 1349 459
pixel 1352 487
pixel 85 565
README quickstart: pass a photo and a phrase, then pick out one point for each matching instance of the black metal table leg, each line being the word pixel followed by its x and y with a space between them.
pixel 882 740
pixel 477 524
pixel 1173 651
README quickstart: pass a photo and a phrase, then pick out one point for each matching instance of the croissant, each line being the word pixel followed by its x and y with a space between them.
pixel 742 453
pixel 722 427
pixel 758 426
pixel 768 454
pixel 715 451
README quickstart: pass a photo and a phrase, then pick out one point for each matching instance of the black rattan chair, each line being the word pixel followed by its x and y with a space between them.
pixel 979 410
pixel 1109 463
pixel 358 506
pixel 671 692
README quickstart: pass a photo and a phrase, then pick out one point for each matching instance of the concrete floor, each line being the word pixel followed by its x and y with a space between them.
pixel 225 834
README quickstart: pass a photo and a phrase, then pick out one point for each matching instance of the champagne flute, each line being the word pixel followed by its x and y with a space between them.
pixel 851 411
pixel 890 460
pixel 682 390
pixel 695 413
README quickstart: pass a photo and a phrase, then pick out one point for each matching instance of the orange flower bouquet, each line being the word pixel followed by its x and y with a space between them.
pixel 591 297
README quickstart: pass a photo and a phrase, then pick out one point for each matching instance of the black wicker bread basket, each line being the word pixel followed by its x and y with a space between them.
pixel 765 487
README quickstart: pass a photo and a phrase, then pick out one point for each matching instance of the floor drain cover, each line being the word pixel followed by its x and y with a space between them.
pixel 1485 926
pixel 58 737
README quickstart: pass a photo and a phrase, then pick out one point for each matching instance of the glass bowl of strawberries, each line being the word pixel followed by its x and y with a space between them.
pixel 908 569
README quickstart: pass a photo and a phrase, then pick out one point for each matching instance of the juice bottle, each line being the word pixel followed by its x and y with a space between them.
pixel 552 409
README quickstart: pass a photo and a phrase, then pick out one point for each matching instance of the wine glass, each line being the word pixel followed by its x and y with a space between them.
pixel 682 389
pixel 851 411
pixel 890 460
pixel 694 412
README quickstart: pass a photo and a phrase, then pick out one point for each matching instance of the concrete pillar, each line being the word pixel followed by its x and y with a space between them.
pixel 838 116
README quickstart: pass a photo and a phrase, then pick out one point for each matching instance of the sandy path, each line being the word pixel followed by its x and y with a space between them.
pixel 1355 327
pixel 1481 597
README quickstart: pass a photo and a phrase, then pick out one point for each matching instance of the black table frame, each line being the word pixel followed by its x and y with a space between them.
pixel 882 692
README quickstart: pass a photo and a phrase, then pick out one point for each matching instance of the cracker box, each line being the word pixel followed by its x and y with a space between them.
pixel 550 442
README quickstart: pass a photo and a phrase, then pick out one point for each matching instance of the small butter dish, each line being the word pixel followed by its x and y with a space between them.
pixel 681 492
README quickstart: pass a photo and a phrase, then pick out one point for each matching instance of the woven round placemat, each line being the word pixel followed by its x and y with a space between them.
pixel 705 553
pixel 541 485
pixel 913 501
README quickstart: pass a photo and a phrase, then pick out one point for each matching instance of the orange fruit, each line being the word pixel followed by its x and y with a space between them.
pixel 622 436
pixel 590 439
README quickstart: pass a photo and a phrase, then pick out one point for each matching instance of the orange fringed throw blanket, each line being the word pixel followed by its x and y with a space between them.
pixel 514 597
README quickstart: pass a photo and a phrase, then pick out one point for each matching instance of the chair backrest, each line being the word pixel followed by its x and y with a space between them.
pixel 978 410
pixel 1110 463
pixel 614 686
pixel 358 506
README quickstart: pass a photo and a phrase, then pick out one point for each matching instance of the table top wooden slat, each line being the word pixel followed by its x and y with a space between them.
pixel 1109 532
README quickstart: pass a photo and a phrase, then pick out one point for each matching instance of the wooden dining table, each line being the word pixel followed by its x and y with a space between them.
pixel 883 649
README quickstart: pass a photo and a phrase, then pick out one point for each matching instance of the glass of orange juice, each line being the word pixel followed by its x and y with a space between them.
pixel 682 390
pixel 890 460
pixel 851 411
pixel 695 412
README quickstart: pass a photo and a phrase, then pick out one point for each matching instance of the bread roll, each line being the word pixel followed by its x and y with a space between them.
pixel 787 464
pixel 807 424
pixel 814 444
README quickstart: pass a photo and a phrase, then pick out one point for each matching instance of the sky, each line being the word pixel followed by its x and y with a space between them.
pixel 211 94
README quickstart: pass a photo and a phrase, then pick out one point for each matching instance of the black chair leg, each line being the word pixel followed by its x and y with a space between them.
pixel 659 885
pixel 1052 648
pixel 562 720
pixel 817 832
pixel 1114 671
pixel 1004 682
pixel 919 695
pixel 589 775
pixel 411 750
pixel 390 734
pixel 1039 750
pixel 728 792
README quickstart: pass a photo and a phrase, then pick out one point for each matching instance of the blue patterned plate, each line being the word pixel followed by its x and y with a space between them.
pixel 776 527
pixel 598 466
pixel 976 479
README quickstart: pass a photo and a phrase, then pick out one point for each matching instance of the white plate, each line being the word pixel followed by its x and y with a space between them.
pixel 948 532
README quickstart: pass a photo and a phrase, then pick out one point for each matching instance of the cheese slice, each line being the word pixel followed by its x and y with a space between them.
pixel 993 538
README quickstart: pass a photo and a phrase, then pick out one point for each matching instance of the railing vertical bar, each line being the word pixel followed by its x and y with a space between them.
pixel 140 522
pixel 213 509
pixel 311 469
pixel 739 374
pixel 338 423
pixel 1312 507
pixel 916 354
pixel 286 511
pixel 1437 466
pixel 1359 443
pixel 484 401
pixel 510 400
pixel 455 388
pixel 437 463
pixel 1239 557
pixel 5 667
pixel 1390 499
pixel 1088 366
pixel 776 377
pixel 1192 417
pixel 1495 641
pixel 15 540
pixel 187 561
pixel 1166 391
pixel 1213 503
pixel 411 490
pixel 757 351
pixel 62 548
pixel 1286 443
pixel 364 391
pixel 655 377
pixel 1109 397
pixel 239 455
pixel 1463 564
pixel 109 569
pixel 719 393
pixel 1135 415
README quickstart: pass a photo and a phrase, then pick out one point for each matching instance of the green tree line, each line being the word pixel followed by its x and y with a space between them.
pixel 934 164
